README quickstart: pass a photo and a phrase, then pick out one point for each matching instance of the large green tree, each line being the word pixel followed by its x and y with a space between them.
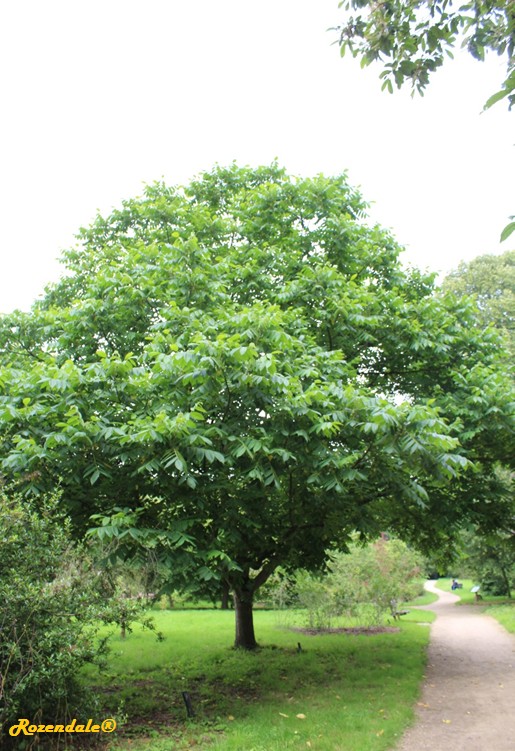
pixel 244 365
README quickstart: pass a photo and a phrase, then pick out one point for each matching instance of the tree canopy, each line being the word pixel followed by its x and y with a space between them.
pixel 245 367
pixel 412 39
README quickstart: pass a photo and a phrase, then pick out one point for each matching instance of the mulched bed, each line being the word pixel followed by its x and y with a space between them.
pixel 358 631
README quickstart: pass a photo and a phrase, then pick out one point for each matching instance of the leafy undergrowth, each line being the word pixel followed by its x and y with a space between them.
pixel 339 691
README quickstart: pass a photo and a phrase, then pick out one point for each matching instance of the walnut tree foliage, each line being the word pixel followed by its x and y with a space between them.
pixel 244 366
pixel 412 39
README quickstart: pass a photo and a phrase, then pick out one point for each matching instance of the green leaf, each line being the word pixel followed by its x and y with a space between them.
pixel 507 231
pixel 94 476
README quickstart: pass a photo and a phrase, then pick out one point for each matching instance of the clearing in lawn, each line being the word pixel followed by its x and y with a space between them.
pixel 338 691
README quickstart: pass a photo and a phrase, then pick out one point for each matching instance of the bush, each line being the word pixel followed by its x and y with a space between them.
pixel 52 609
pixel 366 583
pixel 373 580
pixel 278 592
pixel 315 596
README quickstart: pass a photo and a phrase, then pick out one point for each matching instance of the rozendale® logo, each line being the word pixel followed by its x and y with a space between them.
pixel 25 727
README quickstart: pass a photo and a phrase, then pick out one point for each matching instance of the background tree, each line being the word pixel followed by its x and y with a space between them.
pixel 490 561
pixel 491 280
pixel 245 365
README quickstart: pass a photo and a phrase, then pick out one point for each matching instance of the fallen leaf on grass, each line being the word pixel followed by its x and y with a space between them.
pixel 283 715
pixel 380 733
pixel 300 716
pixel 230 717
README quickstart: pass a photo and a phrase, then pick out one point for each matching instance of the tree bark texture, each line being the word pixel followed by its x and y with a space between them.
pixel 245 638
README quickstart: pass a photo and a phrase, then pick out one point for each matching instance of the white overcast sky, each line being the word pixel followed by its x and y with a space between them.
pixel 100 96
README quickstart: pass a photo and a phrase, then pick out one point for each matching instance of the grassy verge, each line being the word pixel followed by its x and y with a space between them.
pixel 425 599
pixel 339 692
pixel 505 614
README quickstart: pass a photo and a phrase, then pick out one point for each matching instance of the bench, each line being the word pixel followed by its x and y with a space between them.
pixel 395 612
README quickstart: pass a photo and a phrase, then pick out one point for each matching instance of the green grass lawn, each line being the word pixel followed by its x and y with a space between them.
pixel 424 599
pixel 340 691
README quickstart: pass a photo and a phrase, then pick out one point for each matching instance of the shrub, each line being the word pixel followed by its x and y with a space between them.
pixel 371 581
pixel 366 583
pixel 315 596
pixel 278 592
pixel 52 609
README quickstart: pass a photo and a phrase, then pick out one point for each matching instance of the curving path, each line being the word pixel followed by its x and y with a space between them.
pixel 468 697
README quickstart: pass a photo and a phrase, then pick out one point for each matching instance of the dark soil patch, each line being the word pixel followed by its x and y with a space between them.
pixel 357 631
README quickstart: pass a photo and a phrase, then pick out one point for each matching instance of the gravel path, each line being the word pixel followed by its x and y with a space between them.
pixel 468 698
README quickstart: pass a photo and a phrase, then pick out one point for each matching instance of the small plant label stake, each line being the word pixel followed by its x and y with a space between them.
pixel 187 701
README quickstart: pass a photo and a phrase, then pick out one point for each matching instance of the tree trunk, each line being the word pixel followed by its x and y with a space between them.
pixel 225 596
pixel 245 638
pixel 506 580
